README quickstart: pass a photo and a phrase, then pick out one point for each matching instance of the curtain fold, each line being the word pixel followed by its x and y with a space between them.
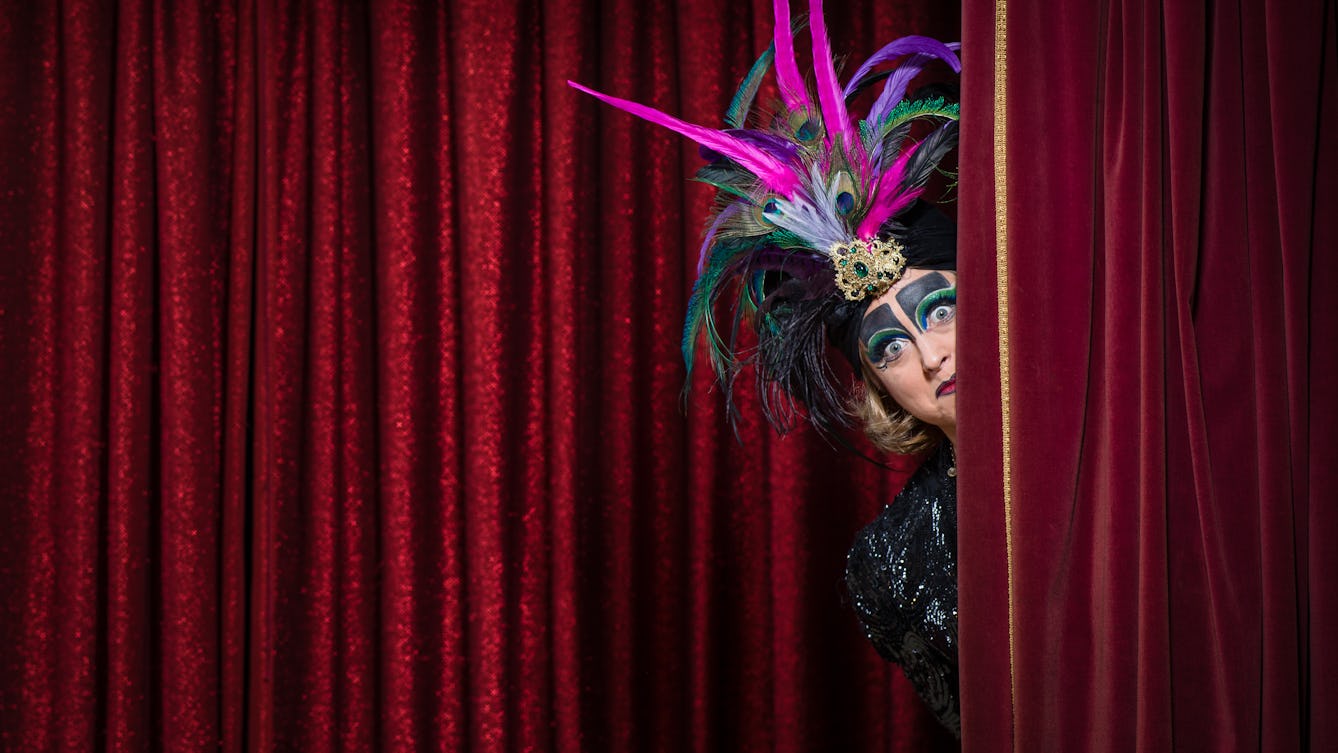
pixel 341 343
pixel 1158 180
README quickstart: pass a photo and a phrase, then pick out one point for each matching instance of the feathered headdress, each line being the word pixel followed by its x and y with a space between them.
pixel 810 220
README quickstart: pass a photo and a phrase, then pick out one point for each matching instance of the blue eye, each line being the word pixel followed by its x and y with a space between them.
pixel 936 308
pixel 886 346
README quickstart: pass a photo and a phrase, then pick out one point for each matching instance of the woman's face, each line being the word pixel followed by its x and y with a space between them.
pixel 909 338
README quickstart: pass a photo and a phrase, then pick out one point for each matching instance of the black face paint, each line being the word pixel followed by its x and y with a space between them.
pixel 910 296
pixel 882 336
pixel 879 319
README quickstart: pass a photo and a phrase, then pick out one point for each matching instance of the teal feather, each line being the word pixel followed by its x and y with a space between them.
pixel 885 143
pixel 721 184
pixel 756 291
pixel 729 178
pixel 907 111
pixel 743 98
pixel 866 134
pixel 700 313
pixel 729 257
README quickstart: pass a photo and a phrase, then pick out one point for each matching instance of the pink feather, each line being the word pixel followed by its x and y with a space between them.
pixel 834 117
pixel 773 172
pixel 886 201
pixel 792 87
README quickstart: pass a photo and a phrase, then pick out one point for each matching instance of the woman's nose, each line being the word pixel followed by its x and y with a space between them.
pixel 932 355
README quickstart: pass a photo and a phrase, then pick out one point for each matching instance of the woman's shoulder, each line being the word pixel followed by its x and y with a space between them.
pixel 932 485
pixel 911 547
pixel 936 476
pixel 901 574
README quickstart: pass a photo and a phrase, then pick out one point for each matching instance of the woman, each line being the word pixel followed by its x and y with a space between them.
pixel 902 569
pixel 821 239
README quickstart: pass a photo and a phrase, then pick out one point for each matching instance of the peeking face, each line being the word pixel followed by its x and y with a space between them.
pixel 909 339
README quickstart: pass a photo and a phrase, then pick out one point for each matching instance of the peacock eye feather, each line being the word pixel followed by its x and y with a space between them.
pixel 807 128
pixel 846 191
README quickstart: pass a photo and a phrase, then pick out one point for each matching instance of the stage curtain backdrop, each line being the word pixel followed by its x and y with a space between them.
pixel 342 392
pixel 1167 446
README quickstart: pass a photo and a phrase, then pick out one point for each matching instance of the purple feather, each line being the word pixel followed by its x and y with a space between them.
pixel 909 45
pixel 769 169
pixel 779 146
pixel 792 87
pixel 895 87
pixel 729 211
pixel 833 102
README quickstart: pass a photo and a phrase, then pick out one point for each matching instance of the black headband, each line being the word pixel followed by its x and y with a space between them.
pixel 929 241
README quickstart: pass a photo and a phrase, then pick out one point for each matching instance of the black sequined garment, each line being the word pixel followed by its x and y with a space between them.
pixel 902 576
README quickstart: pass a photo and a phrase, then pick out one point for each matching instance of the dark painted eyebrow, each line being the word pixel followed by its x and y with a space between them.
pixel 910 296
pixel 879 319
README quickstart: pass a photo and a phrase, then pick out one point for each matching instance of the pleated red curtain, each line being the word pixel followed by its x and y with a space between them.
pixel 342 393
pixel 1159 180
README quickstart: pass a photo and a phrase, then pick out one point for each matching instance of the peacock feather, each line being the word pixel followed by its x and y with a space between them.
pixel 792 184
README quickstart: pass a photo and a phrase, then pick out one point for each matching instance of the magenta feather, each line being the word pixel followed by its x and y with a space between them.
pixel 792 87
pixel 886 200
pixel 833 102
pixel 769 169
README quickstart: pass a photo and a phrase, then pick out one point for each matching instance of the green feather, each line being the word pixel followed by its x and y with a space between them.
pixel 700 314
pixel 721 270
pixel 920 108
pixel 728 178
pixel 743 98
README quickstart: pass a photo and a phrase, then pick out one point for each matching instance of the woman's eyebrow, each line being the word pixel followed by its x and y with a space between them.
pixel 910 296
pixel 879 319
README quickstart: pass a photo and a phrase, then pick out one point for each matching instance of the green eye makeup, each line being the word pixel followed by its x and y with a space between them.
pixel 941 297
pixel 881 341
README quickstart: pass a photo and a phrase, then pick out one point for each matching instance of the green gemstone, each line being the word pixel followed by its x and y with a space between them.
pixel 861 270
pixel 843 262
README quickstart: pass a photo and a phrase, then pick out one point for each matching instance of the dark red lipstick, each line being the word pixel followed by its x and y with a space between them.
pixel 948 387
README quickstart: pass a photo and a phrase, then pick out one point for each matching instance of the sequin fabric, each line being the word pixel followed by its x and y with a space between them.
pixel 902 576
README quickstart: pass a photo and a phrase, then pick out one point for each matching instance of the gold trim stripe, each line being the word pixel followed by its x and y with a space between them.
pixel 1001 282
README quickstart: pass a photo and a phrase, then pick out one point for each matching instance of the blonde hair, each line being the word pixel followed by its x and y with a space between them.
pixel 889 426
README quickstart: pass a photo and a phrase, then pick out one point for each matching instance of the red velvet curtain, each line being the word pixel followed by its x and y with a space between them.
pixel 340 354
pixel 1160 182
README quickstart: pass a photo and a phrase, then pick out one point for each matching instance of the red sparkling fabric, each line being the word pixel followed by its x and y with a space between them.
pixel 342 375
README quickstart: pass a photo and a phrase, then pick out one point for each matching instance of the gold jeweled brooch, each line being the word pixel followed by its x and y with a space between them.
pixel 867 268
